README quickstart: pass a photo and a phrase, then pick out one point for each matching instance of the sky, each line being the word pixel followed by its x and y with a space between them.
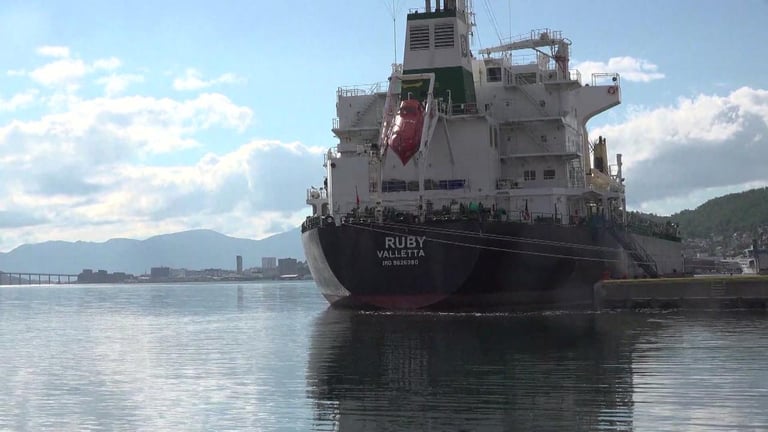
pixel 128 119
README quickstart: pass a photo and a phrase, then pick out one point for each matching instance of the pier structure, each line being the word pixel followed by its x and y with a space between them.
pixel 30 278
pixel 709 292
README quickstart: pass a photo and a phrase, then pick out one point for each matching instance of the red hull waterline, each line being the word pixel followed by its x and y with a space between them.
pixel 398 302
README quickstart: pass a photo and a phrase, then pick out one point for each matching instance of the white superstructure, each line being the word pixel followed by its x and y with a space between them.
pixel 505 128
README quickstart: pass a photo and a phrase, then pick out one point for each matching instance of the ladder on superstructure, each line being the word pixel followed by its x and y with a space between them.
pixel 638 254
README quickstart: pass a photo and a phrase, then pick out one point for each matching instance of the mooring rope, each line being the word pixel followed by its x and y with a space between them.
pixel 456 243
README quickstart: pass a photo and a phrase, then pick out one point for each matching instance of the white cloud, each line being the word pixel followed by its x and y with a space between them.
pixel 116 84
pixel 18 100
pixel 630 69
pixel 676 154
pixel 105 130
pixel 260 177
pixel 59 72
pixel 110 63
pixel 193 80
pixel 253 191
pixel 293 147
pixel 53 51
pixel 16 73
pixel 73 153
pixel 81 170
pixel 66 71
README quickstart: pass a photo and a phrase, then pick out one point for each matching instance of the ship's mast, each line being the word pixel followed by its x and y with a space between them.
pixel 394 8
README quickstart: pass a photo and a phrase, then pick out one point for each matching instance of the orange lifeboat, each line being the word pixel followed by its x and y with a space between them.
pixel 405 138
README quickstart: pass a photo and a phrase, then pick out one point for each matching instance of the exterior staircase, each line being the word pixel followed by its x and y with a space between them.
pixel 638 254
pixel 362 113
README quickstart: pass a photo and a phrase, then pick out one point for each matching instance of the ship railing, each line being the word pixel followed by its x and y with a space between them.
pixel 443 107
pixel 311 222
pixel 316 221
pixel 542 34
pixel 449 109
pixel 330 155
pixel 455 11
pixel 454 211
pixel 664 230
pixel 336 123
pixel 465 108
pixel 314 193
pixel 574 75
pixel 359 90
pixel 523 58
pixel 534 217
pixel 561 218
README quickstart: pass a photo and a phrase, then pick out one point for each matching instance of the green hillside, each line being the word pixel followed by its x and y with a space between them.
pixel 738 212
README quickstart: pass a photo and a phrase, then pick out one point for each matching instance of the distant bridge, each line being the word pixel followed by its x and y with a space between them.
pixel 26 278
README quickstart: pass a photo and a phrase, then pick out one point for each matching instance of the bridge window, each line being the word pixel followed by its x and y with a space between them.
pixel 451 184
pixel 494 74
pixel 549 174
pixel 529 175
pixel 394 186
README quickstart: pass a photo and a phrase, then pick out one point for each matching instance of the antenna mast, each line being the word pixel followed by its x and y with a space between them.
pixel 394 36
pixel 469 10
pixel 393 6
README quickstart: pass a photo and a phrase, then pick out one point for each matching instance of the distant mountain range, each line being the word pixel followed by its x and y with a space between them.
pixel 193 250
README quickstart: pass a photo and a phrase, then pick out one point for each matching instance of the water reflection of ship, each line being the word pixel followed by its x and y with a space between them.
pixel 377 372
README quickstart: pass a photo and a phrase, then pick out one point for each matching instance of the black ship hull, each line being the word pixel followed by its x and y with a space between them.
pixel 461 265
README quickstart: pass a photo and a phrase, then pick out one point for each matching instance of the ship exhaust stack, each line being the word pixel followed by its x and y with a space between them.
pixel 437 41
pixel 562 59
pixel 601 156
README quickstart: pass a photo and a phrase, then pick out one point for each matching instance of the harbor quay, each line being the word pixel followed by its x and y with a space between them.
pixel 727 292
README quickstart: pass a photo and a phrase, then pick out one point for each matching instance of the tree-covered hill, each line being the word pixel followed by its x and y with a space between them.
pixel 722 226
pixel 738 212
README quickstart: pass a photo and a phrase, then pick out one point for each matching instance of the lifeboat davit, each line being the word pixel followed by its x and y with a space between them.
pixel 405 138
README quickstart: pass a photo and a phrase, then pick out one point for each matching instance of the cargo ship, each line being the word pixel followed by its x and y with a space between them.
pixel 468 180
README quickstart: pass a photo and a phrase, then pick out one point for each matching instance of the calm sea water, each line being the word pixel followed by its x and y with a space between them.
pixel 272 357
